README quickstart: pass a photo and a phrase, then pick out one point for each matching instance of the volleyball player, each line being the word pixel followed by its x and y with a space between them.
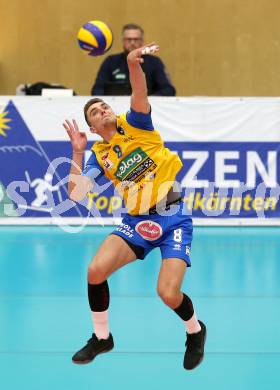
pixel 132 155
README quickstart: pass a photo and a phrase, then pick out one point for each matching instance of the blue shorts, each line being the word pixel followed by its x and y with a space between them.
pixel 171 232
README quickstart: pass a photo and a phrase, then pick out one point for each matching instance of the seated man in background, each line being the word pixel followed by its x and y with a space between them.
pixel 113 75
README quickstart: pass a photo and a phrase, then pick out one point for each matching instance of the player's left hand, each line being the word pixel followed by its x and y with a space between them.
pixel 135 56
pixel 78 138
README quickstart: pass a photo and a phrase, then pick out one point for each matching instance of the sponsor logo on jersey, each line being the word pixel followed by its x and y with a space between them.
pixel 102 150
pixel 177 247
pixel 132 176
pixel 108 164
pixel 188 250
pixel 125 229
pixel 128 139
pixel 120 130
pixel 104 156
pixel 149 230
pixel 136 159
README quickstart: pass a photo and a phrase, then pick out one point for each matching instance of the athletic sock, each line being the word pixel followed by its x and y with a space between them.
pixel 101 324
pixel 99 299
pixel 192 325
pixel 186 311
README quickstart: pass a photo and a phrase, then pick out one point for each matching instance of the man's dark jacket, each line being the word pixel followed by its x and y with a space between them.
pixel 114 69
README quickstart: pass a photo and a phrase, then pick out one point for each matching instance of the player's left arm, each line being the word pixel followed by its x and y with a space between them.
pixel 139 97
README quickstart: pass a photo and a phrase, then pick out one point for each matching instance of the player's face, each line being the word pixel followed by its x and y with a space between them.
pixel 132 39
pixel 101 116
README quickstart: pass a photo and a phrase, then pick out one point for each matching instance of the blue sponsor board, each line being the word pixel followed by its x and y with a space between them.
pixel 230 179
pixel 27 176
pixel 219 179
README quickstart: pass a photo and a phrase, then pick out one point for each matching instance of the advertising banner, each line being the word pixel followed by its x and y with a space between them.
pixel 230 149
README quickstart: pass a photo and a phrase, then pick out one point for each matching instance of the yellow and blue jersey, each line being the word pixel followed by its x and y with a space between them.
pixel 136 161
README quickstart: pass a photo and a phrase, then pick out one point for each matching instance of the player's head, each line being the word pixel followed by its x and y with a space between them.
pixel 99 115
pixel 132 37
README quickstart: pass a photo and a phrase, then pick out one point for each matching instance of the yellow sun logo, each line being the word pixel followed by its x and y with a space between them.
pixel 3 122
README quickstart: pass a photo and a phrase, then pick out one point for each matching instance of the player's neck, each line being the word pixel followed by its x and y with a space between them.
pixel 109 133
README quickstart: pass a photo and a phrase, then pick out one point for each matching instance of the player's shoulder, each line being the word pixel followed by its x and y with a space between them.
pixel 98 147
pixel 121 117
pixel 139 120
pixel 93 150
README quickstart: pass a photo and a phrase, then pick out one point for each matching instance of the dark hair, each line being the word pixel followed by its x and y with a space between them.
pixel 88 104
pixel 132 26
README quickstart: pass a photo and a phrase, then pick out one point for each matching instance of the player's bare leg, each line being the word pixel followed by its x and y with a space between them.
pixel 113 254
pixel 169 289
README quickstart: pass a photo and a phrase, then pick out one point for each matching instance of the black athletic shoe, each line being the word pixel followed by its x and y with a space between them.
pixel 195 348
pixel 93 348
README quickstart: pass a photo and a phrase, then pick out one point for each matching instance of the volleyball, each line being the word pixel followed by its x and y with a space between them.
pixel 95 38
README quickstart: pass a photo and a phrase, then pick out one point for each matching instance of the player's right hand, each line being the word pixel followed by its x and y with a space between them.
pixel 135 56
pixel 78 139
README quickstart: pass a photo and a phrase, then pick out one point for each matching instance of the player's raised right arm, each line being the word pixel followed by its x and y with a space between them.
pixel 78 185
pixel 139 96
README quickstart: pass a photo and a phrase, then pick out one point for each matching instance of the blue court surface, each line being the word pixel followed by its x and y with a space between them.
pixel 234 283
